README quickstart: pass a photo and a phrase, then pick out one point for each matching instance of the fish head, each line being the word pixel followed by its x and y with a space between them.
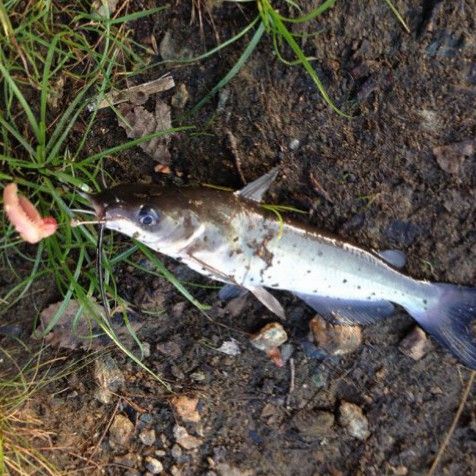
pixel 151 214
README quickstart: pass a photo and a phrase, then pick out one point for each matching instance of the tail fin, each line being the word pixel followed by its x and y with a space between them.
pixel 451 320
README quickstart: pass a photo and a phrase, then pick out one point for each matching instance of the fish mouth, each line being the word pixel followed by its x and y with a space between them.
pixel 96 203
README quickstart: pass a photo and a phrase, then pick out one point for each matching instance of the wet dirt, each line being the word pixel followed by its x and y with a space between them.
pixel 374 180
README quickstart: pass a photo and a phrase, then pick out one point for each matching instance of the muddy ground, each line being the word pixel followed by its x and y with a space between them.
pixel 377 180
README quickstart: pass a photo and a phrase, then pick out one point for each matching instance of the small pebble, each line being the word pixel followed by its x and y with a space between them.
pixel 186 407
pixel 147 437
pixel 415 345
pixel 120 431
pixel 268 339
pixel 185 440
pixel 176 451
pixel 294 144
pixel 353 419
pixel 153 465
pixel 108 377
pixel 335 339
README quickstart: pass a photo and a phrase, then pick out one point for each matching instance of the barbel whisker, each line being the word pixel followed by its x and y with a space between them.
pixel 75 222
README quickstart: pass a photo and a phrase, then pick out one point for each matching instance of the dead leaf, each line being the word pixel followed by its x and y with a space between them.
pixel 138 122
pixel 86 333
pixel 186 407
pixel 64 335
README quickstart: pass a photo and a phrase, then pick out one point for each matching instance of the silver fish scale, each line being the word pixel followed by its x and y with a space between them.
pixel 259 252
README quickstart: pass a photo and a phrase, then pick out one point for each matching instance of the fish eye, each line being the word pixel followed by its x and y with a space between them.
pixel 148 216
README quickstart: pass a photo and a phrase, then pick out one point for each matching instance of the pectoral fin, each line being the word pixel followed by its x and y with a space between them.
pixel 348 311
pixel 396 258
pixel 255 190
pixel 268 300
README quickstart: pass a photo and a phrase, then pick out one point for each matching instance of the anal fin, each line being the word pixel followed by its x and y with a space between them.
pixel 348 311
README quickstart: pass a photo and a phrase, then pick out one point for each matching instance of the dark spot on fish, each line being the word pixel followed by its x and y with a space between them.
pixel 425 302
pixel 373 294
pixel 359 287
pixel 269 276
pixel 308 270
pixel 369 298
pixel 205 238
pixel 319 253
pixel 294 245
pixel 275 285
pixel 344 281
pixel 279 261
pixel 236 238
pixel 252 279
pixel 314 291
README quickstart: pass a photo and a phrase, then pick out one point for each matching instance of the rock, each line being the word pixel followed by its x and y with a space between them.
pixel 294 144
pixel 153 465
pixel 186 407
pixel 451 157
pixel 415 345
pixel 230 347
pixel 268 339
pixel 185 440
pixel 335 339
pixel 313 423
pixel 352 418
pixel 176 452
pixel 147 437
pixel 120 432
pixel 180 98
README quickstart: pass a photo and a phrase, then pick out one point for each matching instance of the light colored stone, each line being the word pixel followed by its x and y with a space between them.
pixel 147 437
pixel 153 465
pixel 185 440
pixel 335 339
pixel 352 418
pixel 415 345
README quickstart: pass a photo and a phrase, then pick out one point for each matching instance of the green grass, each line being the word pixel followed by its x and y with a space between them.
pixel 90 55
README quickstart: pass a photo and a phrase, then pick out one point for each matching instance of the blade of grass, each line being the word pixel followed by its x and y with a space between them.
pixel 235 69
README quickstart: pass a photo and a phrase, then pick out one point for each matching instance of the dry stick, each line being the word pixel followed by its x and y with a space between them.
pixel 448 436
pixel 134 92
pixel 291 381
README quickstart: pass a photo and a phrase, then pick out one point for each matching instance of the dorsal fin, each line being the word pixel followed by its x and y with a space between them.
pixel 256 189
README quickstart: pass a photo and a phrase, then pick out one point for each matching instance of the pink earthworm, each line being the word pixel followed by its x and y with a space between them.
pixel 24 216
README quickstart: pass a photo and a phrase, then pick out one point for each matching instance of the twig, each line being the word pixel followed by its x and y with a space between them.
pixel 236 155
pixel 291 381
pixel 448 436
pixel 134 93
pixel 109 423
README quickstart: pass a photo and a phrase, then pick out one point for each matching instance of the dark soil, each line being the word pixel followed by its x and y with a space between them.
pixel 374 180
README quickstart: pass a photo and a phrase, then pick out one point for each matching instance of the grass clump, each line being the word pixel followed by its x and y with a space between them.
pixel 55 57
pixel 23 436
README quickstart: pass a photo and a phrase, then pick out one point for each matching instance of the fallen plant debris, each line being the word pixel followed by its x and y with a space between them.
pixel 137 94
pixel 83 332
pixel 139 122
pixel 25 217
